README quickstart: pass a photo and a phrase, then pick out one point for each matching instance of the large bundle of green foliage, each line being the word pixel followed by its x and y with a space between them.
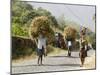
pixel 70 33
pixel 41 25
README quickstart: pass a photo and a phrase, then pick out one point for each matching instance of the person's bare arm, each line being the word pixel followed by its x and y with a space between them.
pixel 31 37
pixel 46 48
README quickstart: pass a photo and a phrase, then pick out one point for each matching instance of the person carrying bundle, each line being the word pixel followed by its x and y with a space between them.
pixel 83 47
pixel 39 32
pixel 82 53
pixel 69 48
pixel 41 48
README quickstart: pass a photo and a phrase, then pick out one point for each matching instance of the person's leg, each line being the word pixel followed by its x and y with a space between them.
pixel 84 55
pixel 80 55
pixel 38 59
pixel 39 54
pixel 59 44
pixel 41 57
pixel 82 61
pixel 56 43
pixel 69 51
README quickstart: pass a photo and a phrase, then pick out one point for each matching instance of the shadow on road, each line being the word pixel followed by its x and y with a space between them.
pixel 64 56
pixel 73 65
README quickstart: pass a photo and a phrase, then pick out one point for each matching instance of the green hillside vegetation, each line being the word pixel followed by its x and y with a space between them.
pixel 23 14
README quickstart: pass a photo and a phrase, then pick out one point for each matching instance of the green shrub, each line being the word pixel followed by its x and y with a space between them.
pixel 18 30
pixel 21 52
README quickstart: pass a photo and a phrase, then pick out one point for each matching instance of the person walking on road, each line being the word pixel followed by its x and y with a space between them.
pixel 83 46
pixel 69 47
pixel 41 44
pixel 82 53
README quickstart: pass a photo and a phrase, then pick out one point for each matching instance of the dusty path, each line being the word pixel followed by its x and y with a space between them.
pixel 59 62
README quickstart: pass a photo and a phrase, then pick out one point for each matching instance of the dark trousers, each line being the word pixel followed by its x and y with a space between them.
pixel 40 53
pixel 69 50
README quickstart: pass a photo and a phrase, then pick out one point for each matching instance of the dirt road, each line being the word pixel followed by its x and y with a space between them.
pixel 60 62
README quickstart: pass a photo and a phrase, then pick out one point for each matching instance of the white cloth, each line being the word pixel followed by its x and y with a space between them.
pixel 41 43
pixel 56 34
pixel 69 43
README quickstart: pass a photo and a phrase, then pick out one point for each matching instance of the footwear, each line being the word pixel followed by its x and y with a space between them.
pixel 41 64
pixel 81 65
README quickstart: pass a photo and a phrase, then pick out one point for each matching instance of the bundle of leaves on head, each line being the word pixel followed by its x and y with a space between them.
pixel 40 25
pixel 70 33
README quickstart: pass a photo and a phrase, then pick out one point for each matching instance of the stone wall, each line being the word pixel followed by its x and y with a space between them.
pixel 22 46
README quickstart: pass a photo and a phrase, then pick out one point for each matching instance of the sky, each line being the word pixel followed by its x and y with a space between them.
pixel 81 14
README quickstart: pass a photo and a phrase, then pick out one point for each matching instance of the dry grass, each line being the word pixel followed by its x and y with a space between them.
pixel 57 51
pixel 90 64
pixel 32 56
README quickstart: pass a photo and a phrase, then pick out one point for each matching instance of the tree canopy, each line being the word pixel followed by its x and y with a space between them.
pixel 22 15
